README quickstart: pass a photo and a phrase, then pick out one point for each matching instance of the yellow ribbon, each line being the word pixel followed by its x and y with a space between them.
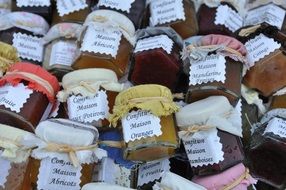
pixel 87 86
pixel 247 31
pixel 196 128
pixel 114 144
pixel 245 175
pixel 146 99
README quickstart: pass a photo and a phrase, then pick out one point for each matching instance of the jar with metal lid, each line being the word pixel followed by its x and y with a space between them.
pixel 5 7
pixel 106 42
pixel 8 56
pixel 61 48
pixel 27 95
pixel 24 31
pixel 89 95
pixel 145 113
pixel 211 130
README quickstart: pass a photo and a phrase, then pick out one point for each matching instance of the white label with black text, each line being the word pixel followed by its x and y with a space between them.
pixel 33 3
pixel 88 109
pixel 123 5
pixel 101 40
pixel 165 11
pixel 162 41
pixel 63 53
pixel 276 126
pixel 14 97
pixel 272 14
pixel 28 47
pixel 259 47
pixel 5 166
pixel 140 124
pixel 203 148
pixel 210 69
pixel 58 174
pixel 229 18
pixel 66 7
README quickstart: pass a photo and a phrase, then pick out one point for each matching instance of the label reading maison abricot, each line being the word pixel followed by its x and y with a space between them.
pixel 66 7
pixel 5 166
pixel 123 5
pixel 140 124
pixel 63 53
pixel 33 3
pixel 276 126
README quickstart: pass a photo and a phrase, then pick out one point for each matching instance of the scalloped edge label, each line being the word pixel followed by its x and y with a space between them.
pixel 123 5
pixel 66 7
pixel 277 126
pixel 140 124
pixel 33 3
pixel 210 69
pixel 5 166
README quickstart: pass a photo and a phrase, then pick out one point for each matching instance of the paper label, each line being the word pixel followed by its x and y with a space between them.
pixel 210 69
pixel 14 97
pixel 5 166
pixel 276 126
pixel 88 109
pixel 58 174
pixel 203 148
pixel 272 14
pixel 66 7
pixel 123 5
pixel 152 171
pixel 101 40
pixel 260 47
pixel 166 11
pixel 28 46
pixel 140 124
pixel 229 18
pixel 4 11
pixel 63 53
pixel 162 41
pixel 33 3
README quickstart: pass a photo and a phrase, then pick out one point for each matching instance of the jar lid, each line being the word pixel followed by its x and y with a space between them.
pixel 38 79
pixel 105 186
pixel 150 97
pixel 8 56
pixel 87 82
pixel 257 3
pixel 113 19
pixel 26 21
pixel 239 5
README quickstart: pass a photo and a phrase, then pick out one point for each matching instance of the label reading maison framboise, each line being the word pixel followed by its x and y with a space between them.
pixel 66 7
pixel 140 124
pixel 88 109
pixel 276 126
pixel 28 47
pixel 203 148
pixel 63 53
pixel 123 5
pixel 101 40
pixel 5 166
pixel 165 11
pixel 33 3
pixel 210 69
pixel 58 174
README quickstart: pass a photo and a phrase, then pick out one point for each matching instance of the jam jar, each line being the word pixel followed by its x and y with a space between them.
pixel 71 11
pixel 106 42
pixel 145 113
pixel 41 7
pixel 5 7
pixel 27 95
pixel 266 58
pixel 24 31
pixel 268 149
pixel 89 95
pixel 8 56
pixel 220 17
pixel 210 130
pixel 156 58
pixel 14 158
pixel 61 48
pixel 133 9
pixel 214 63
pixel 106 186
pixel 65 155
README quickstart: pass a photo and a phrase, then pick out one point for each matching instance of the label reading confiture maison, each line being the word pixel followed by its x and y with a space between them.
pixel 123 5
pixel 66 7
pixel 33 3
pixel 276 126
pixel 5 166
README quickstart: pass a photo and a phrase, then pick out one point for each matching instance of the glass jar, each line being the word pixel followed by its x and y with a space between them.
pixel 61 48
pixel 71 11
pixel 210 130
pixel 278 102
pixel 5 7
pixel 106 42
pixel 24 31
pixel 156 58
pixel 133 9
pixel 177 14
pixel 27 95
pixel 89 95
pixel 8 56
pixel 145 113
pixel 65 155
pixel 92 186
pixel 14 158
pixel 214 64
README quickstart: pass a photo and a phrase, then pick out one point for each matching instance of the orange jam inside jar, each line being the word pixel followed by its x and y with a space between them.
pixel 27 95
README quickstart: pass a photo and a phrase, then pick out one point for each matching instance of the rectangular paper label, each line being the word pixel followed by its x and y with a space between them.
pixel 63 53
pixel 123 5
pixel 210 69
pixel 66 7
pixel 276 126
pixel 33 3
pixel 260 47
pixel 166 11
pixel 5 166
pixel 272 14
pixel 29 47
pixel 101 40
pixel 140 124
pixel 162 41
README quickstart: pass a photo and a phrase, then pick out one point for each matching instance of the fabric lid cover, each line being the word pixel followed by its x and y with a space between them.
pixel 101 186
pixel 258 3
pixel 8 56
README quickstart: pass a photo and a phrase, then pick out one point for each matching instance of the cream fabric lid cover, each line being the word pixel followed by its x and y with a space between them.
pixel 114 19
pixel 103 186
pixel 257 3
pixel 215 111
pixel 26 21
pixel 80 82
